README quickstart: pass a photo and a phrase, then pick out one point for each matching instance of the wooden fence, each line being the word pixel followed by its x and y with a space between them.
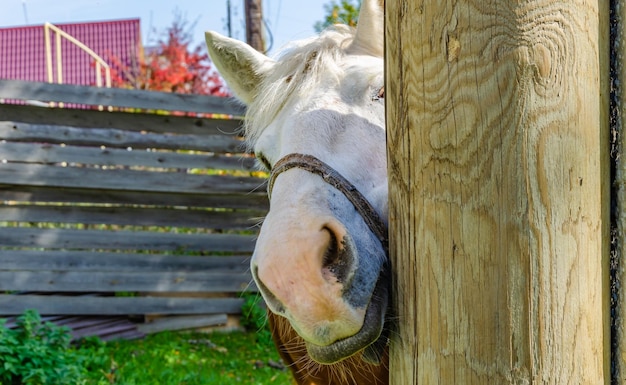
pixel 139 210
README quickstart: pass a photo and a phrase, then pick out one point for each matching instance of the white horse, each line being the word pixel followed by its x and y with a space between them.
pixel 315 120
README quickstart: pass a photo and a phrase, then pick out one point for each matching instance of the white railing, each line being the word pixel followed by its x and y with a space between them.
pixel 59 33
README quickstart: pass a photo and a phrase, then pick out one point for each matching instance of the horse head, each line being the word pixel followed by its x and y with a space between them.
pixel 319 260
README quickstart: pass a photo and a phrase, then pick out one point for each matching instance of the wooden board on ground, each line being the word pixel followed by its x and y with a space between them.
pixel 182 323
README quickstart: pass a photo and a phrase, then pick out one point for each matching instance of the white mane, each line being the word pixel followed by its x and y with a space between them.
pixel 298 70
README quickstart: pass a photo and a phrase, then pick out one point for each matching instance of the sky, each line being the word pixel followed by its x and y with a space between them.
pixel 287 19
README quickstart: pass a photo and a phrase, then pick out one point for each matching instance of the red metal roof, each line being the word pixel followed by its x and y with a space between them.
pixel 22 50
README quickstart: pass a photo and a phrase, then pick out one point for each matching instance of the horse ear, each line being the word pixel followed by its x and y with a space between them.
pixel 370 31
pixel 240 65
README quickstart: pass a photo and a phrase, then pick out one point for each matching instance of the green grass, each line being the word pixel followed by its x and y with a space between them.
pixel 40 353
pixel 186 358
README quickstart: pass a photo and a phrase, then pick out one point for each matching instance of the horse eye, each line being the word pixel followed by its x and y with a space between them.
pixel 263 161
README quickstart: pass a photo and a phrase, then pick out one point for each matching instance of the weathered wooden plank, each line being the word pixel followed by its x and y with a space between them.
pixel 129 121
pixel 174 323
pixel 182 322
pixel 127 180
pixel 110 281
pixel 106 261
pixel 252 200
pixel 133 216
pixel 91 305
pixel 105 328
pixel 24 132
pixel 46 153
pixel 117 97
pixel 124 240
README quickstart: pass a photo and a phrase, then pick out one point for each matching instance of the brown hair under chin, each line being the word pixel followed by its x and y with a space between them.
pixel 351 371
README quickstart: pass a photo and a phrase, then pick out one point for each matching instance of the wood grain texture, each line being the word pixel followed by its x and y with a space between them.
pixel 498 174
pixel 124 180
pixel 90 305
pixel 132 216
pixel 182 323
pixel 250 200
pixel 106 281
pixel 135 121
pixel 619 358
pixel 44 133
pixel 46 153
pixel 87 261
pixel 117 97
pixel 123 240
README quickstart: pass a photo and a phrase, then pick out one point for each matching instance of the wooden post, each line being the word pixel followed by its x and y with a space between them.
pixel 620 184
pixel 497 116
pixel 254 24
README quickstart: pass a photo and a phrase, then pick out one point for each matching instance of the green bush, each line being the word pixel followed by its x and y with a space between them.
pixel 37 353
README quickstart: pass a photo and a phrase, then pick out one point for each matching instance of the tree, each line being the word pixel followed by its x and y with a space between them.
pixel 345 12
pixel 171 66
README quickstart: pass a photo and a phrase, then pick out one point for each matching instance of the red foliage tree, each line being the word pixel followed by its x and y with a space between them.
pixel 171 66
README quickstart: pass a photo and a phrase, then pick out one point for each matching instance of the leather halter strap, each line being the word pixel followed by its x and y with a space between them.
pixel 332 177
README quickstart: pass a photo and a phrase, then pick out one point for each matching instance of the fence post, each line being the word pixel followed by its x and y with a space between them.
pixel 619 114
pixel 497 116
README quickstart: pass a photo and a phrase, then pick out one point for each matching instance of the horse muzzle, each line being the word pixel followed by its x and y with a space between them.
pixel 321 260
pixel 371 339
pixel 329 285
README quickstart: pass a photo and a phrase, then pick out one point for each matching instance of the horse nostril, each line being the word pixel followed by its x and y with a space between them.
pixel 331 255
pixel 337 260
pixel 270 299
